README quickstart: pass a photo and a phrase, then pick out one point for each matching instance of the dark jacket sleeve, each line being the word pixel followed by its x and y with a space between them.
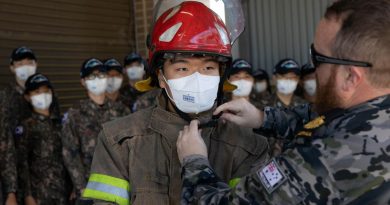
pixel 8 176
pixel 286 122
pixel 202 186
pixel 109 166
pixel 71 151
pixel 24 149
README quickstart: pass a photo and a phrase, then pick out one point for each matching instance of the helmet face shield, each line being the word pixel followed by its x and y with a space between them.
pixel 230 12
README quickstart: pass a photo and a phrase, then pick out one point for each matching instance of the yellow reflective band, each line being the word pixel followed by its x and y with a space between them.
pixel 109 180
pixel 94 194
pixel 108 188
pixel 233 183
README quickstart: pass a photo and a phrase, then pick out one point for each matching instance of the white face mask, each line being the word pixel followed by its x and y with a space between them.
pixel 113 84
pixel 286 86
pixel 310 87
pixel 260 87
pixel 41 101
pixel 25 71
pixel 135 72
pixel 244 88
pixel 97 86
pixel 195 93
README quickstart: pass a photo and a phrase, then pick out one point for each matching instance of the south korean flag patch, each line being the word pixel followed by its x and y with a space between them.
pixel 271 176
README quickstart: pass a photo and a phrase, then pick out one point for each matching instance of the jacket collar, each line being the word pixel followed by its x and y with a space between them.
pixel 169 124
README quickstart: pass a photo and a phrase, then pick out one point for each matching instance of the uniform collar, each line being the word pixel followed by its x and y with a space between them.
pixel 91 104
pixel 380 102
pixel 38 116
pixel 278 102
pixel 170 123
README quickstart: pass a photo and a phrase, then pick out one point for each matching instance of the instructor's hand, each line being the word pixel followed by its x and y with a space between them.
pixel 241 112
pixel 190 142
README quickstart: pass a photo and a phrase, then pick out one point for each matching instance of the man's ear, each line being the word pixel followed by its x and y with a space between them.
pixel 82 81
pixel 274 78
pixel 353 76
pixel 12 68
pixel 161 80
pixel 27 97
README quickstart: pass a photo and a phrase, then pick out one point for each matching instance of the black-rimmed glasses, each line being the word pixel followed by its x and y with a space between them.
pixel 318 58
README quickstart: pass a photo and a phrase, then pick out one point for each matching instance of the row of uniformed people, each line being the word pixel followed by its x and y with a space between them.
pixel 255 87
pixel 107 97
pixel 43 157
pixel 295 85
pixel 335 159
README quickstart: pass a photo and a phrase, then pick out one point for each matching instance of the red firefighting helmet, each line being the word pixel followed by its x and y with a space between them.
pixel 190 28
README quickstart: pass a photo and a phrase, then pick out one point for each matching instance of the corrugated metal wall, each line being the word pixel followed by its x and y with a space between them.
pixel 277 29
pixel 62 34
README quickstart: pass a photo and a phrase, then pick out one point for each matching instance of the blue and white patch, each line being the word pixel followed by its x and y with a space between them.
pixel 271 176
pixel 189 98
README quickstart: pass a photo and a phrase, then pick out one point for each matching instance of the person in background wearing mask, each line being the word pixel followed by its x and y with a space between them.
pixel 141 156
pixel 286 77
pixel 241 76
pixel 40 165
pixel 134 68
pixel 308 82
pixel 23 64
pixel 148 99
pixel 83 122
pixel 114 83
pixel 262 88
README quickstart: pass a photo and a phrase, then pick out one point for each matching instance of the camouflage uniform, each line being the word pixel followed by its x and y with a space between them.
pixel 8 176
pixel 142 156
pixel 16 109
pixel 81 126
pixel 260 100
pixel 129 96
pixel 276 143
pixel 339 158
pixel 274 101
pixel 118 109
pixel 40 165
pixel 146 100
pixel 258 104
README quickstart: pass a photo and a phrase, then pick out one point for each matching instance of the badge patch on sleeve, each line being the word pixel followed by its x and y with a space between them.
pixel 271 176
